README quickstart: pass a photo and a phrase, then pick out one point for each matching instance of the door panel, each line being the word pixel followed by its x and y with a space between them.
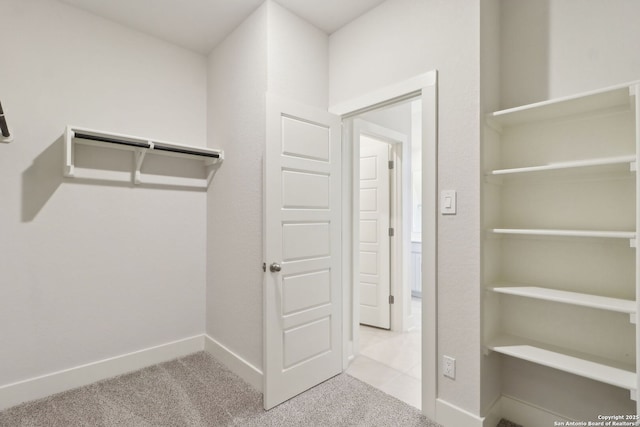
pixel 302 301
pixel 369 294
pixel 303 241
pixel 305 190
pixel 375 285
pixel 301 291
pixel 368 262
pixel 304 139
pixel 369 231
pixel 368 199
pixel 305 342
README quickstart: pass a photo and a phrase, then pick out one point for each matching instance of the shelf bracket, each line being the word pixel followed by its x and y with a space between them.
pixel 140 153
pixel 6 139
pixel 633 318
pixel 633 243
pixel 212 167
pixel 633 395
pixel 69 161
pixel 633 167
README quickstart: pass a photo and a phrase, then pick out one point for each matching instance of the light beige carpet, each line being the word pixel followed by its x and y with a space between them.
pixel 198 391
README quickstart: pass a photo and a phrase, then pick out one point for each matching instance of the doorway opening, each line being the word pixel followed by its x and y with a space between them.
pixel 387 236
pixel 425 87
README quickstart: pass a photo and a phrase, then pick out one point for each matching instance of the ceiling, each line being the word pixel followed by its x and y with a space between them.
pixel 199 25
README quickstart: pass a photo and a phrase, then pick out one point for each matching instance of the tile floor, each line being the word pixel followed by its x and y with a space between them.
pixel 391 361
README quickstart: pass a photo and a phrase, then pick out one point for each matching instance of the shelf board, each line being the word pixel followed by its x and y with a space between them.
pixel 564 360
pixel 566 233
pixel 585 300
pixel 605 161
pixel 616 97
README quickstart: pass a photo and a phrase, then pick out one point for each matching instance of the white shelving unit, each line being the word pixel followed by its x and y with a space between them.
pixel 560 193
pixel 210 159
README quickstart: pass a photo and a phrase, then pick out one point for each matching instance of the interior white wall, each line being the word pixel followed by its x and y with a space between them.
pixel 298 53
pixel 91 270
pixel 272 51
pixel 237 83
pixel 490 78
pixel 554 48
pixel 398 40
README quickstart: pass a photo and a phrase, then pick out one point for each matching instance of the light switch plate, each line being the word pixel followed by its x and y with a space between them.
pixel 448 202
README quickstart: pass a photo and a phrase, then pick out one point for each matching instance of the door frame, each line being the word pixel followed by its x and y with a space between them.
pixel 399 245
pixel 425 86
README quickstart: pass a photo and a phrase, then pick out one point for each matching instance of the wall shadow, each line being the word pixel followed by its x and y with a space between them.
pixel 525 51
pixel 41 180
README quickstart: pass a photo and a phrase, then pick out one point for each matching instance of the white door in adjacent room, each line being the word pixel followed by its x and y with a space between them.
pixel 375 279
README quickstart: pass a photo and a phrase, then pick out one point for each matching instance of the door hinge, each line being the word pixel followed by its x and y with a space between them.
pixel 264 267
pixel 390 164
pixel 392 300
pixel 392 232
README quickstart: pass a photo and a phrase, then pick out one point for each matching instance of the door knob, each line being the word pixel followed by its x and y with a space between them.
pixel 275 267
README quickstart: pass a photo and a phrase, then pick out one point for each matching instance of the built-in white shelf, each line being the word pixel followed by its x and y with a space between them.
pixel 140 146
pixel 612 98
pixel 587 163
pixel 574 298
pixel 565 360
pixel 631 235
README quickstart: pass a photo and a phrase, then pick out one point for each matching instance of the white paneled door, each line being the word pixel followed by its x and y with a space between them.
pixel 375 288
pixel 302 289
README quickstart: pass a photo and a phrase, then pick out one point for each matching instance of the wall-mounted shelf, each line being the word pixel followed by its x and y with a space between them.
pixel 631 235
pixel 587 163
pixel 140 147
pixel 618 305
pixel 609 99
pixel 607 372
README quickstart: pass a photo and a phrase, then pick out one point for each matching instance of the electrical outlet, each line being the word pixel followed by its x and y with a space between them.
pixel 449 367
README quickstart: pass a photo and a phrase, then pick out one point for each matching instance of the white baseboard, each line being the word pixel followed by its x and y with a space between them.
pixel 526 414
pixel 57 382
pixel 451 416
pixel 234 363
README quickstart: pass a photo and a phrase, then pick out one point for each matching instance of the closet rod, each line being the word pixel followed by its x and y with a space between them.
pixel 3 124
pixel 111 140
pixel 156 146
pixel 184 151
